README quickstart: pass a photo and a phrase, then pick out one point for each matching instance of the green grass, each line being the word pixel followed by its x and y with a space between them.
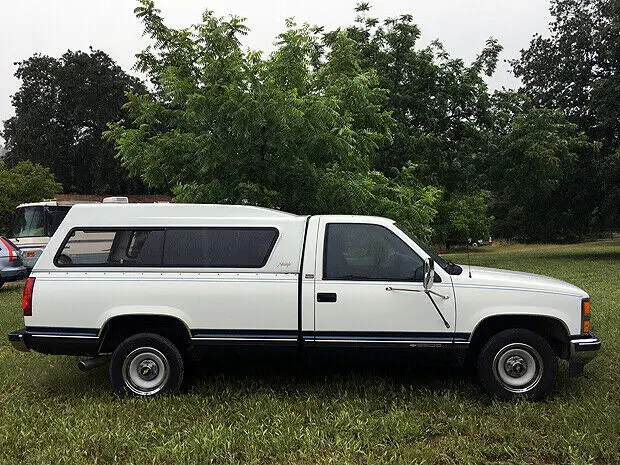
pixel 52 413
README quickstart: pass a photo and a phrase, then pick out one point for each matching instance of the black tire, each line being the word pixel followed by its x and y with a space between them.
pixel 159 359
pixel 517 363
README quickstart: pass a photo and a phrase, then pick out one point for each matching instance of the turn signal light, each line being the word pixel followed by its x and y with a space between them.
pixel 27 297
pixel 585 316
pixel 586 307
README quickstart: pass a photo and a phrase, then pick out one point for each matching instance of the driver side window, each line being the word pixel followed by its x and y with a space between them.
pixel 368 252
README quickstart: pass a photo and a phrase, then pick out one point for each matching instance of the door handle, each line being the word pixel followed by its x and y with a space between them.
pixel 326 297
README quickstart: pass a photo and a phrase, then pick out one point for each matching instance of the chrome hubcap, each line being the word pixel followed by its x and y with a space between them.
pixel 518 367
pixel 148 370
pixel 145 371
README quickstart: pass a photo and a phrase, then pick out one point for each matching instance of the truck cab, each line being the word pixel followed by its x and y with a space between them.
pixel 139 286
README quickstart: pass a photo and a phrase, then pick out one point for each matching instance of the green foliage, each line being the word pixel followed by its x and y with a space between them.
pixel 576 70
pixel 25 182
pixel 359 120
pixel 61 109
pixel 401 199
pixel 535 174
pixel 443 113
pixel 462 218
pixel 441 105
pixel 297 131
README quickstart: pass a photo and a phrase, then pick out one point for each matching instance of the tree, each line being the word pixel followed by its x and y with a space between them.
pixel 441 105
pixel 541 186
pixel 443 117
pixel 462 218
pixel 577 70
pixel 297 131
pixel 61 110
pixel 26 182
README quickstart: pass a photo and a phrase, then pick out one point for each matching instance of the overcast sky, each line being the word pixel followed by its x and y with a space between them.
pixel 53 26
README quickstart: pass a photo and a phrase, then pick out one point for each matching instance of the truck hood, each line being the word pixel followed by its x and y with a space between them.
pixel 505 279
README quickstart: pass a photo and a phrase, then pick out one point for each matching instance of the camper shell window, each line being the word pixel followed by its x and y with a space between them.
pixel 215 247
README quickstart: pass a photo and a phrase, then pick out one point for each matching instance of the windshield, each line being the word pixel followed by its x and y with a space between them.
pixel 431 253
pixel 54 216
pixel 29 222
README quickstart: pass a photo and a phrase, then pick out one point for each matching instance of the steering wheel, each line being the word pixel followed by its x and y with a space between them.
pixel 64 260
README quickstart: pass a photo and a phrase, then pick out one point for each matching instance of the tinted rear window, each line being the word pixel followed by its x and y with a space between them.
pixel 175 247
pixel 219 247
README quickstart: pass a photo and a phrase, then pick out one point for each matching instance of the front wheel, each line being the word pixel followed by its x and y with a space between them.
pixel 147 365
pixel 517 363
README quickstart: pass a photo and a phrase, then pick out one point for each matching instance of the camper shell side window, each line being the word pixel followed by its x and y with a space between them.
pixel 204 247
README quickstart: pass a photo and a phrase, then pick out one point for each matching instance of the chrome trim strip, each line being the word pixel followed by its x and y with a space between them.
pixel 168 270
pixel 252 339
pixel 587 341
pixel 164 279
pixel 68 336
pixel 382 341
pixel 330 340
pixel 516 289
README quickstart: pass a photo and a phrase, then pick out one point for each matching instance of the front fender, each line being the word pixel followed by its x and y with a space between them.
pixel 476 305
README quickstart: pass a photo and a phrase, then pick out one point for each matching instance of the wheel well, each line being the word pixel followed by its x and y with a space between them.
pixel 119 328
pixel 552 329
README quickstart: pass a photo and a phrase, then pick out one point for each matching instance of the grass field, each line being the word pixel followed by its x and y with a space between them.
pixel 50 413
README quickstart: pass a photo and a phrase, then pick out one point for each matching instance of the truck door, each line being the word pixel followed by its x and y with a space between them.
pixel 369 290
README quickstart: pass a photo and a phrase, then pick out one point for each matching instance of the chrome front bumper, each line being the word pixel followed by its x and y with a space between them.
pixel 582 350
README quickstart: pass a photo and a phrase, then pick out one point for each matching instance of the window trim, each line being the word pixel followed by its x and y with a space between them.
pixel 165 229
pixel 325 242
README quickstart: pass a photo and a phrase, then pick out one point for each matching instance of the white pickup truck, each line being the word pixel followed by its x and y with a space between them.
pixel 148 284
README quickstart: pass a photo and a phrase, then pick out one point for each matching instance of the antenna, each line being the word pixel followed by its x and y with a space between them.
pixel 468 260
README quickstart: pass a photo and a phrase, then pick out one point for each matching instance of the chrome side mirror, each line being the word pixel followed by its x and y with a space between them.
pixel 429 273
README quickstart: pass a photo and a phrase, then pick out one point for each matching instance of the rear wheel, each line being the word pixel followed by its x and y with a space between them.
pixel 147 365
pixel 517 363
